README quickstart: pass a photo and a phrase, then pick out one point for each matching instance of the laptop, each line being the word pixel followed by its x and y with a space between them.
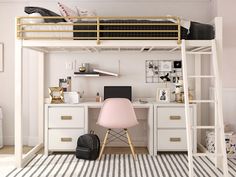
pixel 118 92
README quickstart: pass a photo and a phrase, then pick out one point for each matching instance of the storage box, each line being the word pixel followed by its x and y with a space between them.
pixel 230 143
pixel 71 97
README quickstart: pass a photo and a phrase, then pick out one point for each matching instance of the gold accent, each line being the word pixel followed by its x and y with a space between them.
pixel 130 144
pixel 21 24
pixel 56 95
pixel 66 139
pixel 104 143
pixel 175 139
pixel 66 117
pixel 175 117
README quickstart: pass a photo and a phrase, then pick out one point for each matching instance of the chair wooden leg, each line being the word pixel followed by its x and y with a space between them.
pixel 104 143
pixel 130 144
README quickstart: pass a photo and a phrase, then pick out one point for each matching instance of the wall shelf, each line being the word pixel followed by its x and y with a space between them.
pixel 95 73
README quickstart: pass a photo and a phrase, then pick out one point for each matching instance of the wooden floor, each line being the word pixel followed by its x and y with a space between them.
pixel 108 150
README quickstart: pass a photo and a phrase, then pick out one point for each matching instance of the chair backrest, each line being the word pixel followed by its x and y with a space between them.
pixel 117 113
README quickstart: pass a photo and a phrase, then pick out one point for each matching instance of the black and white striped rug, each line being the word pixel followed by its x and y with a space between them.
pixel 123 165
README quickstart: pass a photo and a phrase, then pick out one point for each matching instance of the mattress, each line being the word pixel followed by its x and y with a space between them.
pixel 50 28
pixel 197 31
pixel 128 35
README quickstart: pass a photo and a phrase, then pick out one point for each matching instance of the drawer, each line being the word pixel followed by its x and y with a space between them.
pixel 172 117
pixel 171 140
pixel 66 117
pixel 63 139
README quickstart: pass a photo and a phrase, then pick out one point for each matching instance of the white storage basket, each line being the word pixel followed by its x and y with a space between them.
pixel 230 143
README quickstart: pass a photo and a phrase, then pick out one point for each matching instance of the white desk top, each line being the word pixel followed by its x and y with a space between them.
pixel 136 104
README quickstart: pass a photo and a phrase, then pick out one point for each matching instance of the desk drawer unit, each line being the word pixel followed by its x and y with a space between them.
pixel 171 117
pixel 66 117
pixel 172 140
pixel 63 139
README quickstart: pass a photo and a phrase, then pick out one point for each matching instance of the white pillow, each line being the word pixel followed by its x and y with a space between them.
pixel 86 13
pixel 66 11
pixel 34 20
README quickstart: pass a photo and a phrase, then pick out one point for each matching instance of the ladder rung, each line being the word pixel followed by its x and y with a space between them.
pixel 205 76
pixel 202 53
pixel 204 127
pixel 206 154
pixel 202 101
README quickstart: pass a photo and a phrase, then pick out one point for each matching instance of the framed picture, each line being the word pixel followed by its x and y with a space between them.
pixel 1 57
pixel 163 95
pixel 165 66
pixel 56 95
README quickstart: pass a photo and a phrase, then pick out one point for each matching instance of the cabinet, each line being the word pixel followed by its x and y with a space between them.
pixel 170 127
pixel 64 123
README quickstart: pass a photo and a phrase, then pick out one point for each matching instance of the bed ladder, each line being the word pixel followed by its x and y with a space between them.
pixel 220 157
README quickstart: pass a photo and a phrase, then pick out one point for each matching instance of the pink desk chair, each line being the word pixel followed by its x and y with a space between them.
pixel 117 113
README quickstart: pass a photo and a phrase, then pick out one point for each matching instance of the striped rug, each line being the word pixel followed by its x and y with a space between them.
pixel 163 165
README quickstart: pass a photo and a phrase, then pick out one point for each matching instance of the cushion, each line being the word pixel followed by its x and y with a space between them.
pixel 44 12
pixel 34 20
pixel 66 11
pixel 85 12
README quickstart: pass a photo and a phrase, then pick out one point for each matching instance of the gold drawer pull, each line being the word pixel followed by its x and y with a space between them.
pixel 66 139
pixel 66 117
pixel 175 117
pixel 175 139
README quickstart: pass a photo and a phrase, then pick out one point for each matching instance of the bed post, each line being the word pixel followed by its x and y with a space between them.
pixel 18 102
pixel 41 97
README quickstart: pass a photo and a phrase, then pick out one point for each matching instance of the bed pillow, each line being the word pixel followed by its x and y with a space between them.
pixel 66 11
pixel 86 13
pixel 44 12
pixel 34 20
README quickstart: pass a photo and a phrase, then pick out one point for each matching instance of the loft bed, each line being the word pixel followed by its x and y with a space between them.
pixel 96 35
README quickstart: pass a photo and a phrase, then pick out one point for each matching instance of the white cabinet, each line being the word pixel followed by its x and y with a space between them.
pixel 170 127
pixel 64 123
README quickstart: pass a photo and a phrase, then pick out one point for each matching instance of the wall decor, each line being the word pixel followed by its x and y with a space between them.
pixel 56 95
pixel 161 71
pixel 163 95
pixel 1 57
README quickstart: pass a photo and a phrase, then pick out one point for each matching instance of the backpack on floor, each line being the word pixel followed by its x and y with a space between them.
pixel 88 146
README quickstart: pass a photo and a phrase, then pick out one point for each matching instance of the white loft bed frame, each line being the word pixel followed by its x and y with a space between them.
pixel 44 46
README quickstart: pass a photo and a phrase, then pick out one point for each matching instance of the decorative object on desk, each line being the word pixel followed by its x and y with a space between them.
pixel 179 91
pixel 56 95
pixel 163 95
pixel 63 84
pixel 165 66
pixel 177 64
pixel 68 81
pixel 1 57
pixel 98 98
pixel 71 97
pixel 160 71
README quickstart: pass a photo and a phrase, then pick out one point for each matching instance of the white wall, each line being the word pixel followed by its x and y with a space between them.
pixel 198 10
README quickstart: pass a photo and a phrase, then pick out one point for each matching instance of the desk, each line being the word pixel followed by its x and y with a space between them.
pixel 64 123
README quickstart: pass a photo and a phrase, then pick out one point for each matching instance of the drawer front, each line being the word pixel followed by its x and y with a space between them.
pixel 66 117
pixel 63 139
pixel 171 140
pixel 171 117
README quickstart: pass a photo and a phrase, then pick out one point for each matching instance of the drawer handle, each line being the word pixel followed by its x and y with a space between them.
pixel 175 117
pixel 175 139
pixel 66 117
pixel 66 139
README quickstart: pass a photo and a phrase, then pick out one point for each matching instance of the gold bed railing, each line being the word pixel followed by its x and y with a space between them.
pixel 22 23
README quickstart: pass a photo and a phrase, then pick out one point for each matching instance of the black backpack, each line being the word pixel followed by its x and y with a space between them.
pixel 88 146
